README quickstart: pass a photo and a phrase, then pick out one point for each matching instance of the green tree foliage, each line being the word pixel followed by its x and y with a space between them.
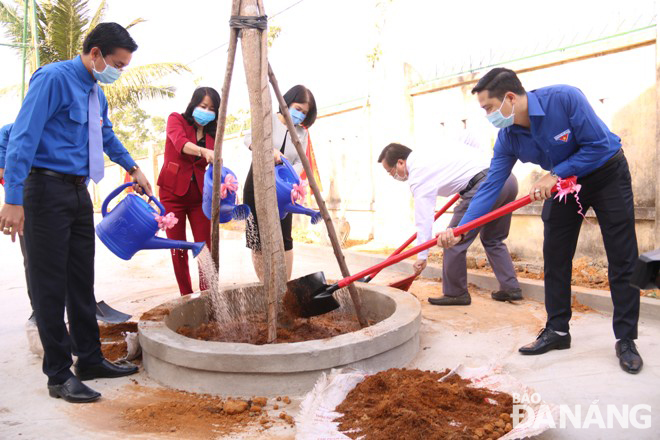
pixel 136 130
pixel 61 28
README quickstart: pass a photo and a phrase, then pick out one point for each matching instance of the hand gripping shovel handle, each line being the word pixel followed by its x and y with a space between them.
pixel 499 212
pixel 414 236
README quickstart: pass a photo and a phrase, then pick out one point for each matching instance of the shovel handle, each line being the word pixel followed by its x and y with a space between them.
pixel 499 212
pixel 414 236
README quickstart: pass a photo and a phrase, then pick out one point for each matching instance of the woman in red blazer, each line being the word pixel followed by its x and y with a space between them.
pixel 188 150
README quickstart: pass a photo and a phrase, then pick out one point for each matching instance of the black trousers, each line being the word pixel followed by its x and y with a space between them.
pixel 59 237
pixel 608 191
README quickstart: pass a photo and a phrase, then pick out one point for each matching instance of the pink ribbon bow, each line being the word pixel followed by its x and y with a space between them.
pixel 166 221
pixel 568 186
pixel 298 192
pixel 231 185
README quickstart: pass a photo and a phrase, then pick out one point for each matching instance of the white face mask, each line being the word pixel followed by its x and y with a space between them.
pixel 399 178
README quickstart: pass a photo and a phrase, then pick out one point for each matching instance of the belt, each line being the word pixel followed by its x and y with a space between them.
pixel 70 178
pixel 476 179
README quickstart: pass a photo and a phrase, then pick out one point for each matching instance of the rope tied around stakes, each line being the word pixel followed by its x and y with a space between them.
pixel 248 22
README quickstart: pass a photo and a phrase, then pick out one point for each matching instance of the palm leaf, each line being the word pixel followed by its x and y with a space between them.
pixel 96 19
pixel 69 18
pixel 13 91
pixel 122 97
pixel 134 22
pixel 140 83
pixel 12 23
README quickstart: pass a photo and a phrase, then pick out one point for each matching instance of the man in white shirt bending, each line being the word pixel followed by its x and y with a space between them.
pixel 458 169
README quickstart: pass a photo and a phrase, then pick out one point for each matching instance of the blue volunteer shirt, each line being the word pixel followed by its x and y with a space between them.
pixel 4 140
pixel 565 136
pixel 51 128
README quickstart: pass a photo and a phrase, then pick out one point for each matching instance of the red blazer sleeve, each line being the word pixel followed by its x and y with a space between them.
pixel 176 131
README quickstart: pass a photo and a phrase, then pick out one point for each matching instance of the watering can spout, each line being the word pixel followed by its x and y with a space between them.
pixel 163 243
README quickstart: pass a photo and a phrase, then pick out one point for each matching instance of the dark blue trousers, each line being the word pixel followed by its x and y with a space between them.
pixel 59 237
pixel 608 191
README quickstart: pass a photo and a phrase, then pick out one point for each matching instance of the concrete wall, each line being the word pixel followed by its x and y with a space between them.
pixel 618 77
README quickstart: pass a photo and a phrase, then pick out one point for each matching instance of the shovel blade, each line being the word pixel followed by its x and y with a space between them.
pixel 405 283
pixel 107 314
pixel 300 299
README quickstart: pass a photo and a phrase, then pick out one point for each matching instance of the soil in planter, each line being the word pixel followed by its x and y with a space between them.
pixel 254 329
pixel 412 404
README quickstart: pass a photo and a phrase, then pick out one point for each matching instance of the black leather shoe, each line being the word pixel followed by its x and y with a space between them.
pixel 507 295
pixel 461 300
pixel 106 369
pixel 629 358
pixel 74 391
pixel 546 340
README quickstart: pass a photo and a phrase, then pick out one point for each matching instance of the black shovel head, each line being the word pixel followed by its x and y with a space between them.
pixel 106 313
pixel 300 300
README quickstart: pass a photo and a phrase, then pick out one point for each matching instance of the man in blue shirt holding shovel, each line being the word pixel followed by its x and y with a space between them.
pixel 556 128
pixel 56 145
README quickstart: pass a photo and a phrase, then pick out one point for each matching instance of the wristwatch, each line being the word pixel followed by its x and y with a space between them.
pixel 133 169
pixel 553 174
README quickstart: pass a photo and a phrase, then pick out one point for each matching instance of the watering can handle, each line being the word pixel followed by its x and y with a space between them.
pixel 287 164
pixel 118 190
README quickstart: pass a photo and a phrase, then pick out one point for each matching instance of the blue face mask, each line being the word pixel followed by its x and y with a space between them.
pixel 297 116
pixel 108 76
pixel 498 120
pixel 203 117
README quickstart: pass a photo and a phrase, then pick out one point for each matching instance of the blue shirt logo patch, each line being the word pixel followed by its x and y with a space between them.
pixel 563 136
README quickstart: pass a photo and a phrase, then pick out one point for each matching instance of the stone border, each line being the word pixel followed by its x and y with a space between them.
pixel 599 300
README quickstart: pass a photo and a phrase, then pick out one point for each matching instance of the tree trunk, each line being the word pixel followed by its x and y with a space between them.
pixel 272 248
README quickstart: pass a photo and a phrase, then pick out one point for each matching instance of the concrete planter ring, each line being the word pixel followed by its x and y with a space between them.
pixel 244 370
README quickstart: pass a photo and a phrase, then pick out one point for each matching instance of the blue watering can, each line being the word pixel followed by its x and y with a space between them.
pixel 229 210
pixel 131 226
pixel 285 178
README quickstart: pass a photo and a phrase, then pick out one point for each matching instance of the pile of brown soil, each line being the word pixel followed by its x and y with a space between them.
pixel 154 412
pixel 412 404
pixel 113 344
pixel 115 332
pixel 183 410
pixel 254 330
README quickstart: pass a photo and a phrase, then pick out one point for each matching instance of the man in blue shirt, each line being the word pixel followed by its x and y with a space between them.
pixel 556 128
pixel 56 145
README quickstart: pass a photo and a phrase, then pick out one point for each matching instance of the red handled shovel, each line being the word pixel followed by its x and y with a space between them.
pixel 405 283
pixel 314 297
